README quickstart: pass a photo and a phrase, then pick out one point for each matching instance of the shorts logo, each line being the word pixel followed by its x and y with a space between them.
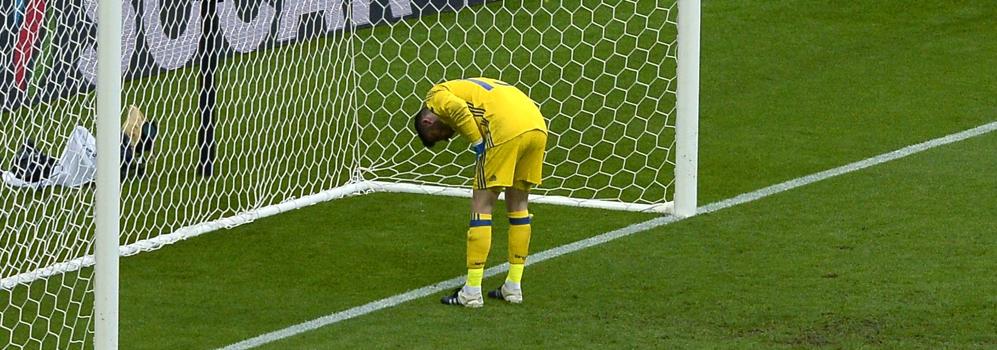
pixel 492 178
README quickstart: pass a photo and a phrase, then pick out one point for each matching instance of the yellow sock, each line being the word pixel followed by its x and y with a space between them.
pixel 519 244
pixel 479 240
pixel 519 236
pixel 515 273
pixel 474 277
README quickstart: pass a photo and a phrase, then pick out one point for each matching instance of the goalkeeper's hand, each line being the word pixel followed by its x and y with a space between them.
pixel 478 148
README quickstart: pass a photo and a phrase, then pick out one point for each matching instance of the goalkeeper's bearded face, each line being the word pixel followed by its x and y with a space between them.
pixel 431 129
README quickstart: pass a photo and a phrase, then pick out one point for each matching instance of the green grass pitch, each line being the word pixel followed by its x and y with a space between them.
pixel 901 255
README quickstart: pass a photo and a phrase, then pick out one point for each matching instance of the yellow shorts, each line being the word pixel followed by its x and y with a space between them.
pixel 516 163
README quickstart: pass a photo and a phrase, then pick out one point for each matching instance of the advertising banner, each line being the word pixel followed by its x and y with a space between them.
pixel 48 47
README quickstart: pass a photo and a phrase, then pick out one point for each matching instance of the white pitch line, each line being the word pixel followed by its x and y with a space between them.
pixel 606 237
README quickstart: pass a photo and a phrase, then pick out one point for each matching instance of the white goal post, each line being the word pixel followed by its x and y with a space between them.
pixel 251 108
pixel 107 210
pixel 687 106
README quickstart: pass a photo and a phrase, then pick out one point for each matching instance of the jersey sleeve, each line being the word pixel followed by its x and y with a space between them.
pixel 454 112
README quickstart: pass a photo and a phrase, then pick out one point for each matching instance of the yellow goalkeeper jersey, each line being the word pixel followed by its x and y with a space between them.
pixel 485 109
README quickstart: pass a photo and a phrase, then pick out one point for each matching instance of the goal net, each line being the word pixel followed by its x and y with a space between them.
pixel 241 109
pixel 603 73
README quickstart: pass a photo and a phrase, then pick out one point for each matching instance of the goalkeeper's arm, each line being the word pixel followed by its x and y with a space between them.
pixel 454 112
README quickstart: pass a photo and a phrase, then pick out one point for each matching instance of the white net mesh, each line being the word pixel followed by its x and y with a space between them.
pixel 602 71
pixel 309 96
pixel 49 226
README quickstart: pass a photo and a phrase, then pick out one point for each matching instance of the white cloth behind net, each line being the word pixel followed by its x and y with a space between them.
pixel 76 166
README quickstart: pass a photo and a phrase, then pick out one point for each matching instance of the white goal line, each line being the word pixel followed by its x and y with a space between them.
pixel 359 187
pixel 606 237
pixel 661 208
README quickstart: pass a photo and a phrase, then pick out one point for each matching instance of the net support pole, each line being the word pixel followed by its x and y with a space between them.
pixel 208 59
pixel 687 105
pixel 108 180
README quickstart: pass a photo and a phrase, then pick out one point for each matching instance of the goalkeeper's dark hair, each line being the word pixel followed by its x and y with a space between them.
pixel 417 125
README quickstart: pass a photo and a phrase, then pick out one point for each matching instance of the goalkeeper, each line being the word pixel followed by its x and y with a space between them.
pixel 508 136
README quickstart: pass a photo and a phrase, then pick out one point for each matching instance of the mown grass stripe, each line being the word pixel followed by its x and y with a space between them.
pixel 609 236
